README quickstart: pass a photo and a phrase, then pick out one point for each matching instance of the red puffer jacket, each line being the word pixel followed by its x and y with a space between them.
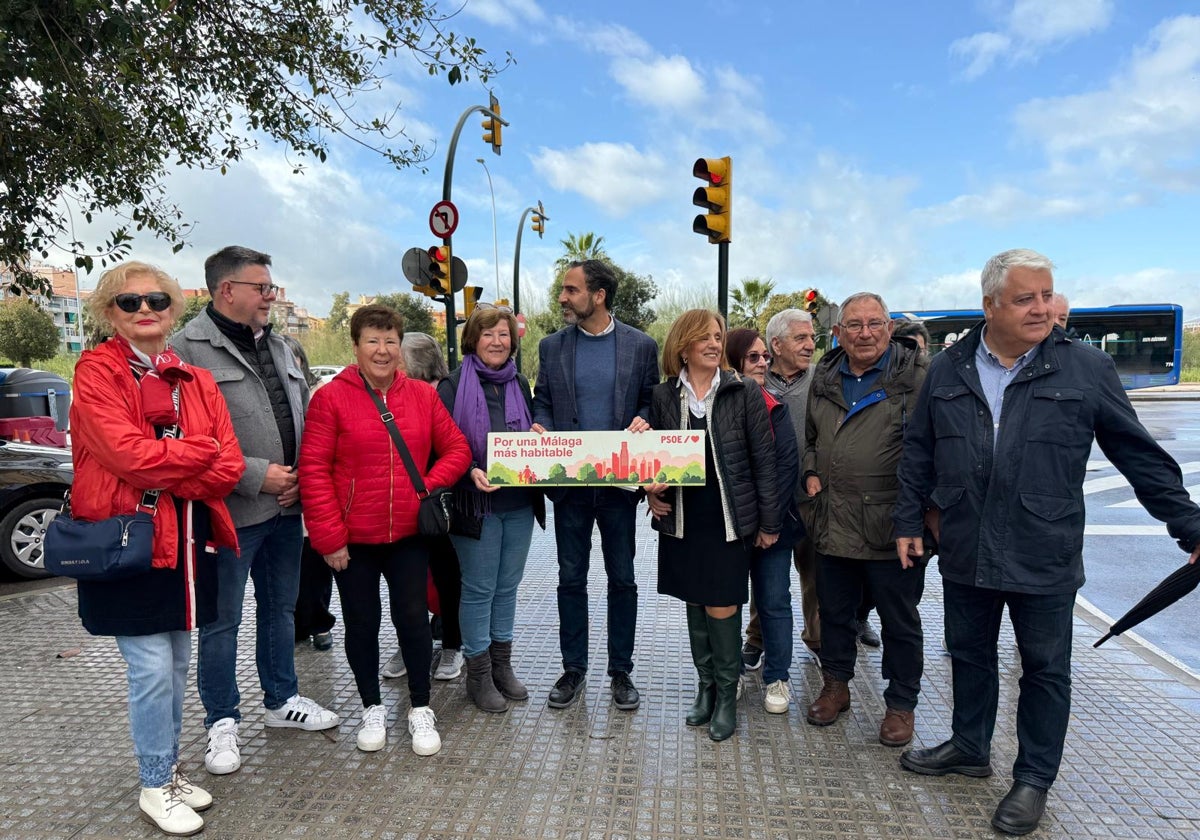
pixel 117 456
pixel 353 483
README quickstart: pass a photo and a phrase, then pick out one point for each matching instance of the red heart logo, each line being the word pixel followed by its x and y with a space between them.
pixel 695 438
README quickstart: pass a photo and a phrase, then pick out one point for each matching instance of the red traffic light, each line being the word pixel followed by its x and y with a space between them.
pixel 437 254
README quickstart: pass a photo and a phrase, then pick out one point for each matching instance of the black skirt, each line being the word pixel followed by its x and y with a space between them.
pixel 702 567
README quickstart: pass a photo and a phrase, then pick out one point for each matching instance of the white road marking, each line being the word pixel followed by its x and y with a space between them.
pixel 1112 482
pixel 1194 490
pixel 1125 531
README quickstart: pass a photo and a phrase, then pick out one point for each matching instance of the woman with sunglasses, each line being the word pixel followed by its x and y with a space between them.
pixel 493 531
pixel 707 534
pixel 143 420
pixel 770 568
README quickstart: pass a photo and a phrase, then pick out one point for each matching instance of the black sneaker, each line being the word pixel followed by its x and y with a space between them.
pixel 625 694
pixel 751 656
pixel 568 687
pixel 323 641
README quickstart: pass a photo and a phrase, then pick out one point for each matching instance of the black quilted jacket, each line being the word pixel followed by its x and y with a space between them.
pixel 743 448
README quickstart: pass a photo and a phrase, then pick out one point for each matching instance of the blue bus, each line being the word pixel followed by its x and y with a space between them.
pixel 1145 340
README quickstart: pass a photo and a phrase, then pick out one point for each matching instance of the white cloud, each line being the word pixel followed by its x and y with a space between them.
pixel 616 176
pixel 508 14
pixel 1146 123
pixel 1028 29
pixel 664 82
pixel 958 290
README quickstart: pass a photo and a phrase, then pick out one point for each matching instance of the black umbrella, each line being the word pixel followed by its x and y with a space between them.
pixel 1175 586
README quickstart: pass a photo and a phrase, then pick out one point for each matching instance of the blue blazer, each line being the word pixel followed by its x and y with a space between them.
pixel 554 405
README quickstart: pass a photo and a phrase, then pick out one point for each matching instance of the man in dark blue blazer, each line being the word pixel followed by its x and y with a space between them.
pixel 595 374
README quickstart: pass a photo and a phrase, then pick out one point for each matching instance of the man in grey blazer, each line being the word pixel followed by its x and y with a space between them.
pixel 267 396
pixel 594 374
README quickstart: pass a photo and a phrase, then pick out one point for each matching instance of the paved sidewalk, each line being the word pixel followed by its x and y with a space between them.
pixel 67 770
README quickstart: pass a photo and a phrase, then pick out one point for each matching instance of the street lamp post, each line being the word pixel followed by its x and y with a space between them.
pixel 495 237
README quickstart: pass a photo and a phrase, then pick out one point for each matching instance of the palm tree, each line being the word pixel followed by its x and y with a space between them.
pixel 586 246
pixel 749 302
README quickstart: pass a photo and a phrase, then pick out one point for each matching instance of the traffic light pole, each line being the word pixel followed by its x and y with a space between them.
pixel 723 279
pixel 447 180
pixel 516 300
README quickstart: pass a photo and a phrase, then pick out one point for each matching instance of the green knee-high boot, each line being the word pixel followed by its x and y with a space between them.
pixel 725 639
pixel 706 691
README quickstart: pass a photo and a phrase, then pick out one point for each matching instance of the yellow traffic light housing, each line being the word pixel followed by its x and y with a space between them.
pixel 717 198
pixel 471 298
pixel 810 300
pixel 539 226
pixel 491 124
pixel 439 268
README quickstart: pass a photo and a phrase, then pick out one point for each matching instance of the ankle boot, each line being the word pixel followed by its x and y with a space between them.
pixel 831 702
pixel 706 689
pixel 164 807
pixel 502 673
pixel 725 640
pixel 480 687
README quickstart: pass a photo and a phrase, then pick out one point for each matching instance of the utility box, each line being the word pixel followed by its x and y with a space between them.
pixel 34 393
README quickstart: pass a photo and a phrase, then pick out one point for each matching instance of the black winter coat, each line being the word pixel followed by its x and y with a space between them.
pixel 739 431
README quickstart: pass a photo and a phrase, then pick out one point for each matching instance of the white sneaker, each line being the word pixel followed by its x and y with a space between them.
pixel 164 807
pixel 425 738
pixel 301 713
pixel 395 667
pixel 372 735
pixel 222 755
pixel 777 697
pixel 741 689
pixel 194 796
pixel 449 664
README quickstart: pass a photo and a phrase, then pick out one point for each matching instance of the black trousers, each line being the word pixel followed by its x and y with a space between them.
pixel 841 582
pixel 405 566
pixel 447 579
pixel 316 591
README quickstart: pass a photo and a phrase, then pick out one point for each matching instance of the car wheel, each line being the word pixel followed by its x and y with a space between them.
pixel 21 532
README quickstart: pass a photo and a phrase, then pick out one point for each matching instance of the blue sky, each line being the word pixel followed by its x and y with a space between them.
pixel 880 146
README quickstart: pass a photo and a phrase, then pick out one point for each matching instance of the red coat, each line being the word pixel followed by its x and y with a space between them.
pixel 116 455
pixel 353 483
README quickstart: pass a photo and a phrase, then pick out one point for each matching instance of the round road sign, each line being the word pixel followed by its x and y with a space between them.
pixel 520 325
pixel 443 219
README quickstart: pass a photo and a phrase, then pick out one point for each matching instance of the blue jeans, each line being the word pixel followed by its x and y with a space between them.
pixel 770 582
pixel 492 568
pixel 156 667
pixel 271 556
pixel 1043 628
pixel 615 512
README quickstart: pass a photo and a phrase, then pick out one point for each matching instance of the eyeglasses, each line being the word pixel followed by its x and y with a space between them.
pixel 264 289
pixel 755 358
pixel 507 310
pixel 858 326
pixel 157 301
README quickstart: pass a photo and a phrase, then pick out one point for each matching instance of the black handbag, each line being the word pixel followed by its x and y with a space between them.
pixel 111 549
pixel 435 509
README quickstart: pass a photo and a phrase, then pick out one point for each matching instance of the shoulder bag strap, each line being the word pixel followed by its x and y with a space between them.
pixel 389 420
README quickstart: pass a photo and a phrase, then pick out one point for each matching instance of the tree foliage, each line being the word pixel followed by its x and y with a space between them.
pixel 418 317
pixel 825 312
pixel 27 332
pixel 634 292
pixel 101 97
pixel 339 313
pixel 193 307
pixel 749 301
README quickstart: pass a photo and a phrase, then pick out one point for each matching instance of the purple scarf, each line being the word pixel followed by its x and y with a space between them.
pixel 470 404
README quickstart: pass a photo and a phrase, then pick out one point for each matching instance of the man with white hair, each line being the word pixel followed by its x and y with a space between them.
pixel 998 444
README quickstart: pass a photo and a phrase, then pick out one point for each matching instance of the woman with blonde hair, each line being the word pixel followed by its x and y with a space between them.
pixel 707 533
pixel 152 433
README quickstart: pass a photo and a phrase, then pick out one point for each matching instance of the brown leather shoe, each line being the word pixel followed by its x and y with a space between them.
pixel 830 703
pixel 896 730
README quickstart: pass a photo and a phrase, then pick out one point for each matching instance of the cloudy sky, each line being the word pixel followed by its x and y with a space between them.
pixel 884 146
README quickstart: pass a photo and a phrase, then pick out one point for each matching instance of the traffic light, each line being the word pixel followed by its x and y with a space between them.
pixel 470 298
pixel 717 198
pixel 439 268
pixel 809 300
pixel 539 224
pixel 491 124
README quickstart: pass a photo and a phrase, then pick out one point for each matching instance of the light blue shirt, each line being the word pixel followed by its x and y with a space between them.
pixel 995 378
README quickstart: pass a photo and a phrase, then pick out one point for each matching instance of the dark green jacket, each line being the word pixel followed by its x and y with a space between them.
pixel 855 453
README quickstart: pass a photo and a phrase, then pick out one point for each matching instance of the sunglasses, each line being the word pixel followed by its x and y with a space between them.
pixel 507 310
pixel 157 301
pixel 755 358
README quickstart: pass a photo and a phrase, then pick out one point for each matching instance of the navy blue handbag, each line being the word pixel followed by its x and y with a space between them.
pixel 111 549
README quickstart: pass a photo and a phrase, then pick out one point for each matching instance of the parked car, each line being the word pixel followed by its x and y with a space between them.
pixel 326 372
pixel 33 479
